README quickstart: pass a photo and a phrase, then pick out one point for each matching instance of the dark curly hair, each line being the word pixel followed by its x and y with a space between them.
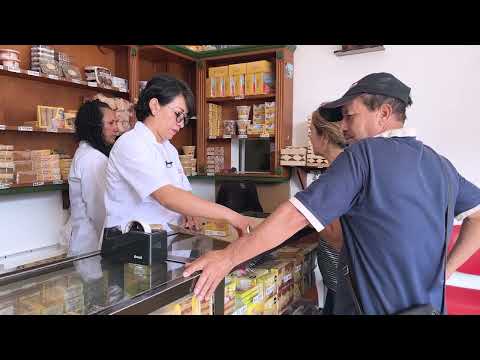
pixel 89 125
pixel 164 88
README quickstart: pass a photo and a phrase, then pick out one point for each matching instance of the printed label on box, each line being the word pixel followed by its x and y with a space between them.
pixel 33 73
pixel 1 67
pixel 287 277
pixel 241 311
pixel 269 290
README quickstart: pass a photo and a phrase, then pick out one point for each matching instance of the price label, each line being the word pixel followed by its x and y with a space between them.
pixel 76 81
pixel 269 290
pixel 1 67
pixel 227 136
pixel 57 182
pixel 54 77
pixel 212 137
pixel 33 73
pixel 123 90
pixel 13 69
pixel 25 128
pixel 52 130
pixel 242 136
pixel 92 84
pixel 241 311
pixel 3 127
pixel 5 186
pixel 239 97
pixel 38 183
pixel 264 135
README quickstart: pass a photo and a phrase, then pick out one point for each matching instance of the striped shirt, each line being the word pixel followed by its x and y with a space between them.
pixel 327 259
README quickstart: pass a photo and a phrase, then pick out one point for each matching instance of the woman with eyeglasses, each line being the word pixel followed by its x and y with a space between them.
pixel 145 179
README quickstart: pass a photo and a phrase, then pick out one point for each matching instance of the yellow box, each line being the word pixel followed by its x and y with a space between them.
pixel 259 66
pixel 210 87
pixel 264 83
pixel 218 71
pixel 250 84
pixel 229 89
pixel 270 306
pixel 239 87
pixel 237 69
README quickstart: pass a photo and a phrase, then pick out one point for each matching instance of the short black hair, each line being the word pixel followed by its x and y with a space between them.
pixel 164 88
pixel 373 102
pixel 89 125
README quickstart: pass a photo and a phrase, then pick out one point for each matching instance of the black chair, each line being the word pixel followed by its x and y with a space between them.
pixel 240 196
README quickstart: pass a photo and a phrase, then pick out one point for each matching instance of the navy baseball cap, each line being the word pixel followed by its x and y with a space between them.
pixel 376 84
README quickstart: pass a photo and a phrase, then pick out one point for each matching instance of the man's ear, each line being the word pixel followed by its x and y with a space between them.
pixel 384 114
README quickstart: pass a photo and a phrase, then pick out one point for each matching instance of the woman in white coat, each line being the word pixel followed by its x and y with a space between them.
pixel 145 180
pixel 96 129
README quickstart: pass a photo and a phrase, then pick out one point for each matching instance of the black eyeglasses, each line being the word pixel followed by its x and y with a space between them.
pixel 181 116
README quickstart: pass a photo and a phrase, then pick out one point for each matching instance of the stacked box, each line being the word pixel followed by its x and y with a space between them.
pixel 65 164
pixel 293 156
pixel 215 160
pixel 215 120
pixel 46 167
pixel 297 256
pixel 218 82
pixel 229 299
pixel 283 272
pixel 7 165
pixel 270 115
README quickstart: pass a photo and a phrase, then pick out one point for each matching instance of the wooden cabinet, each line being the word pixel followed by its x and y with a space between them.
pixel 21 92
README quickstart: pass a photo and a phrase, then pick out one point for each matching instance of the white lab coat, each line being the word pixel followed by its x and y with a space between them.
pixel 137 166
pixel 87 187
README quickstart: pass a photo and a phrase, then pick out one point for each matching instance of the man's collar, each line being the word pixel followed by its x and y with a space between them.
pixel 402 132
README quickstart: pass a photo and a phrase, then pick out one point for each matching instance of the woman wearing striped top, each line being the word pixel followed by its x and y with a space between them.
pixel 328 141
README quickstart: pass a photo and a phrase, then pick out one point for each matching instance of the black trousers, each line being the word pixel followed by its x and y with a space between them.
pixel 329 303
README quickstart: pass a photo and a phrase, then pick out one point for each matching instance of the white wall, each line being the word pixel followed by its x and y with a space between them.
pixel 30 221
pixel 445 82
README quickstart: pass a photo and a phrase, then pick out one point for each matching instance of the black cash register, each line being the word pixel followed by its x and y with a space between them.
pixel 137 244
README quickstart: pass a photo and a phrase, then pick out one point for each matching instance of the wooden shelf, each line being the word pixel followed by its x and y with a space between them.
pixel 31 188
pixel 255 177
pixel 359 51
pixel 212 138
pixel 240 98
pixel 34 129
pixel 80 84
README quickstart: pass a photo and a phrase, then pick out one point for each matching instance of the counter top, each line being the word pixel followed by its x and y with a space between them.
pixel 91 284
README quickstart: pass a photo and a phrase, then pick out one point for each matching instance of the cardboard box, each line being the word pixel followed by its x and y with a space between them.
pixel 6 155
pixel 210 87
pixel 259 66
pixel 23 165
pixel 26 177
pixel 250 84
pixel 270 306
pixel 218 71
pixel 237 69
pixel 264 83
pixel 239 85
pixel 6 147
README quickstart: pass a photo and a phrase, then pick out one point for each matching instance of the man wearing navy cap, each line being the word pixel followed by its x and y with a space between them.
pixel 391 192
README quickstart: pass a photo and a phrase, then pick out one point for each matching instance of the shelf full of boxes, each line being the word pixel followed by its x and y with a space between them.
pixel 241 104
pixel 43 88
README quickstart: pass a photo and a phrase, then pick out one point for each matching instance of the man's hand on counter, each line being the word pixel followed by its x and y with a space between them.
pixel 214 265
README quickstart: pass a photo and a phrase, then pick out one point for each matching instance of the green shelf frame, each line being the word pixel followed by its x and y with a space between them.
pixel 33 189
pixel 227 51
